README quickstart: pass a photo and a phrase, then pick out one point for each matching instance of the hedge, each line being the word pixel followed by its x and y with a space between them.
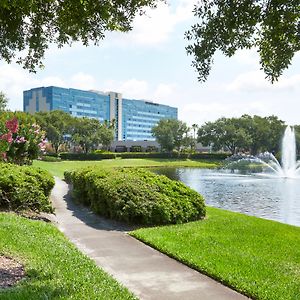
pixel 136 196
pixel 25 188
pixel 99 156
pixel 86 156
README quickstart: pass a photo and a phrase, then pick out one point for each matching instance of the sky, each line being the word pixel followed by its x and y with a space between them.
pixel 151 63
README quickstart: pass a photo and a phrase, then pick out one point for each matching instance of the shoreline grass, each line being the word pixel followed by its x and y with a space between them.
pixel 55 268
pixel 257 257
pixel 58 168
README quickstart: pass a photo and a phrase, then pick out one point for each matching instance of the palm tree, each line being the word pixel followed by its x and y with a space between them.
pixel 195 127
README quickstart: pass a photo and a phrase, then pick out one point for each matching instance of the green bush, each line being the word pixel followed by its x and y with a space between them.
pixel 101 151
pixel 136 196
pixel 25 188
pixel 50 158
pixel 136 148
pixel 86 156
pixel 165 155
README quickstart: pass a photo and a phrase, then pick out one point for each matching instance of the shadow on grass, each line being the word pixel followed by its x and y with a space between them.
pixel 32 288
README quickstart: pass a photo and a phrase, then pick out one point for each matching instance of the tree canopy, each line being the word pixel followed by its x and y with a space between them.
pixel 273 27
pixel 60 128
pixel 252 134
pixel 28 27
pixel 171 134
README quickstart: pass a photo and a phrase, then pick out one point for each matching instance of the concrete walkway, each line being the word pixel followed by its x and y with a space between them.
pixel 146 272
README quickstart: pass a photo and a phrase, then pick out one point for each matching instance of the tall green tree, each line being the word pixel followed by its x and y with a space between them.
pixel 194 128
pixel 28 27
pixel 266 132
pixel 3 101
pixel 107 134
pixel 253 134
pixel 87 133
pixel 272 27
pixel 57 124
pixel 171 134
pixel 224 134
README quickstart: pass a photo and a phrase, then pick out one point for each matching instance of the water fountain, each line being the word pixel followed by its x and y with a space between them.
pixel 289 167
pixel 256 186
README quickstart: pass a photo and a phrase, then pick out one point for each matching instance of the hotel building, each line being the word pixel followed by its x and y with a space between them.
pixel 134 119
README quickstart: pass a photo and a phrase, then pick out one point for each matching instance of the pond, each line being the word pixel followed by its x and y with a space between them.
pixel 270 198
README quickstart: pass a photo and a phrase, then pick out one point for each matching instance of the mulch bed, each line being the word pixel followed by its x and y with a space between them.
pixel 11 272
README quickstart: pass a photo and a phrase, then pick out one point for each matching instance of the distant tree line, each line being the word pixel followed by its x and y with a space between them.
pixel 251 134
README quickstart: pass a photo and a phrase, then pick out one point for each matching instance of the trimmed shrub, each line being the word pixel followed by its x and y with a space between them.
pixel 136 148
pixel 25 188
pixel 151 149
pixel 86 156
pixel 50 158
pixel 173 155
pixel 136 196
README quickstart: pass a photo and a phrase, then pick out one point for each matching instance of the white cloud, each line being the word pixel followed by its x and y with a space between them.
pixel 255 81
pixel 156 25
pixel 165 92
pixel 14 80
pixel 249 57
pixel 201 112
pixel 132 88
pixel 83 81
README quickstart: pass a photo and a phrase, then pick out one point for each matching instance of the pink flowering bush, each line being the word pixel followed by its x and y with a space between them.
pixel 21 139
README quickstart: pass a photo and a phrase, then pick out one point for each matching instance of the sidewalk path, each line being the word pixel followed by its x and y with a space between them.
pixel 148 273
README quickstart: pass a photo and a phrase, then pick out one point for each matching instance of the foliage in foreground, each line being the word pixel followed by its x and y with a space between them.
pixel 136 196
pixel 257 257
pixel 24 187
pixel 270 26
pixel 55 269
pixel 21 139
pixel 28 27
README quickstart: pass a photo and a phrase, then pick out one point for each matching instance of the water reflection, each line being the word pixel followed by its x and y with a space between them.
pixel 270 198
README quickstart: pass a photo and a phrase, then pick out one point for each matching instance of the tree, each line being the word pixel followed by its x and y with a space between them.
pixel 171 134
pixel 266 133
pixel 30 26
pixel 252 134
pixel 57 124
pixel 107 134
pixel 87 133
pixel 3 101
pixel 273 27
pixel 224 134
pixel 194 128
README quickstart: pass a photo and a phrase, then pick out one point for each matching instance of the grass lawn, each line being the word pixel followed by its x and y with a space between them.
pixel 58 168
pixel 257 257
pixel 55 268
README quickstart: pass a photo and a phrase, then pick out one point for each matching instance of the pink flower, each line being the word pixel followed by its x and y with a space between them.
pixel 7 137
pixel 42 145
pixel 37 131
pixel 3 154
pixel 12 125
pixel 20 140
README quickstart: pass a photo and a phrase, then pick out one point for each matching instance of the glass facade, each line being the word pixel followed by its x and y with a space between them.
pixel 140 116
pixel 134 119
